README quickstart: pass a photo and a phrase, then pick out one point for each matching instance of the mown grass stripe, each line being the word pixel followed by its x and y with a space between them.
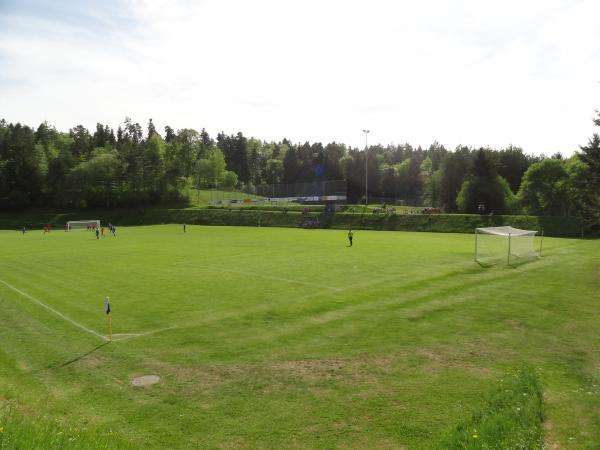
pixel 58 313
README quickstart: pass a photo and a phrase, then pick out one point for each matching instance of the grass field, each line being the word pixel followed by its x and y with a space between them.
pixel 287 338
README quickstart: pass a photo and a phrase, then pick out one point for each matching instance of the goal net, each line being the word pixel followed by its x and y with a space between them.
pixel 73 225
pixel 497 244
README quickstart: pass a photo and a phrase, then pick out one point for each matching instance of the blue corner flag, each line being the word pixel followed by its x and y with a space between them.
pixel 107 305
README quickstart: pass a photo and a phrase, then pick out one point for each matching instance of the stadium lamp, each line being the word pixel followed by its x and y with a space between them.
pixel 366 168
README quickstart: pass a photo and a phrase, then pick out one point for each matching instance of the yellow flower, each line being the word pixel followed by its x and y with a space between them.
pixel 475 436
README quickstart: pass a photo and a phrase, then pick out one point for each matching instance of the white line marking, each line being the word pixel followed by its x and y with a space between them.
pixel 136 335
pixel 58 313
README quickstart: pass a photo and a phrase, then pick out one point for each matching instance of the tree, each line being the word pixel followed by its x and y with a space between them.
pixel 388 181
pixel 45 135
pixel 82 144
pixel 432 194
pixel 578 186
pixel 235 151
pixel 512 164
pixel 590 189
pixel 229 179
pixel 169 134
pixel 133 131
pixel 217 162
pixel 402 175
pixel 206 144
pixel 153 166
pixel 291 166
pixel 274 171
pixel 204 174
pixel 255 160
pixel 374 177
pixel 415 180
pixel 151 130
pixel 484 186
pixel 189 149
pixel 332 161
pixel 56 179
pixel 453 171
pixel 23 166
pixel 437 153
pixel 210 171
pixel 92 181
pixel 100 137
pixel 544 188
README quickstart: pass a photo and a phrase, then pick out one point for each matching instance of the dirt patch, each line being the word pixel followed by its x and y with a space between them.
pixel 93 361
pixel 308 368
pixel 353 369
pixel 516 325
pixel 474 358
pixel 549 443
pixel 145 380
pixel 196 379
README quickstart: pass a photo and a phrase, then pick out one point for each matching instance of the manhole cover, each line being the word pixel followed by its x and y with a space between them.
pixel 145 380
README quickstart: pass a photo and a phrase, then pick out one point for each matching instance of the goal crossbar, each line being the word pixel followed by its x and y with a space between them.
pixel 506 231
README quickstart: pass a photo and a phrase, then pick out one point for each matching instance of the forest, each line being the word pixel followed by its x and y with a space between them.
pixel 136 166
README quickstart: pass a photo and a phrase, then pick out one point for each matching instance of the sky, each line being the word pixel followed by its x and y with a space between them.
pixel 463 72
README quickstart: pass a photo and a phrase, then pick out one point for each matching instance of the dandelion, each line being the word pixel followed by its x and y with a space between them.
pixel 475 436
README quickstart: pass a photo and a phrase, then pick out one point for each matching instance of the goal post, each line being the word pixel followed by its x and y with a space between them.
pixel 494 244
pixel 74 225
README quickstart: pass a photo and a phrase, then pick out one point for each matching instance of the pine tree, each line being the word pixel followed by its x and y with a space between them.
pixel 591 196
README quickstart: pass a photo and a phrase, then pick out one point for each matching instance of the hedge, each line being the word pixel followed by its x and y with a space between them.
pixel 445 223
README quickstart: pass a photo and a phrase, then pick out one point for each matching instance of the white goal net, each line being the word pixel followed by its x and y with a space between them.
pixel 73 225
pixel 497 244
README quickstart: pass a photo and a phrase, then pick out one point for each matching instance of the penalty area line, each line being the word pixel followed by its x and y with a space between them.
pixel 58 313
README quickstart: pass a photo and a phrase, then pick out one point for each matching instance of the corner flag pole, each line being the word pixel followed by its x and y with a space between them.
pixel 109 319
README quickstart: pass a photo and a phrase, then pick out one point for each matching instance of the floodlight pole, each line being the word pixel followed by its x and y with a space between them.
pixel 366 165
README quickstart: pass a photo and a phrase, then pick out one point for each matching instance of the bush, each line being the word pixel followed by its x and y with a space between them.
pixel 511 418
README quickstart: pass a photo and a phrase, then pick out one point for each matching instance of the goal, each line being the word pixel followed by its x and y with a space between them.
pixel 73 225
pixel 496 244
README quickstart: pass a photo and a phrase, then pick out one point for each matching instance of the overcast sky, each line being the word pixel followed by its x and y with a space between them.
pixel 471 72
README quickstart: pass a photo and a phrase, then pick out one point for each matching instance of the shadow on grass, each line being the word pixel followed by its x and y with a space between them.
pixel 73 360
pixel 514 263
pixel 83 355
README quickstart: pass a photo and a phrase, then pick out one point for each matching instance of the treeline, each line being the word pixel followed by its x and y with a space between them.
pixel 137 166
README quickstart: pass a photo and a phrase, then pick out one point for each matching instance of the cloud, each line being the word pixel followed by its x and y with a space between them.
pixel 466 72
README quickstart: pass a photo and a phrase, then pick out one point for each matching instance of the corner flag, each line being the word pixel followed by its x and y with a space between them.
pixel 107 309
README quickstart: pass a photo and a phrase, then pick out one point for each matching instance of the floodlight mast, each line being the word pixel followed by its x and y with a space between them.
pixel 366 166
